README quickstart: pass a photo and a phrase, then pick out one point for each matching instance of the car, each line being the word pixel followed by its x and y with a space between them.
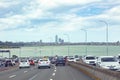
pixel 108 62
pixel 31 62
pixel 1 63
pixel 8 62
pixel 24 63
pixel 90 59
pixel 118 57
pixel 35 60
pixel 60 61
pixel 13 62
pixel 77 58
pixel 44 63
pixel 71 59
pixel 53 60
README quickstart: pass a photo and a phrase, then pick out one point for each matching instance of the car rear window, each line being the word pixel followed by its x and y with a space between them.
pixel 43 60
pixel 23 61
pixel 60 58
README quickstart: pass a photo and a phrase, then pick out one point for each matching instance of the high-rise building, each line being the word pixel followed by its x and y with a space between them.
pixel 56 39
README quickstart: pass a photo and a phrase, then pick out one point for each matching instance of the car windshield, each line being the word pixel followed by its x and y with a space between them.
pixel 90 58
pixel 71 58
pixel 108 60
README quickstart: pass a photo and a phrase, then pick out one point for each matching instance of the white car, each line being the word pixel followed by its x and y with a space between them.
pixel 44 63
pixel 71 59
pixel 108 62
pixel 89 59
pixel 24 63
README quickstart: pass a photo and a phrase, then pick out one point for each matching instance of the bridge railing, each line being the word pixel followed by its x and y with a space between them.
pixel 95 72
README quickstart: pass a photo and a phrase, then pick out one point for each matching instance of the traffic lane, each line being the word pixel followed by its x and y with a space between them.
pixel 54 73
pixel 13 70
pixel 69 73
pixel 29 74
pixel 60 73
pixel 7 75
pixel 43 74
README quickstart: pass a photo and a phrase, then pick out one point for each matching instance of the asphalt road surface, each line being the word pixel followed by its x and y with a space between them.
pixel 54 73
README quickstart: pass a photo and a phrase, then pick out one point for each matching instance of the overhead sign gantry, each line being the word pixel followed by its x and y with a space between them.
pixel 6 51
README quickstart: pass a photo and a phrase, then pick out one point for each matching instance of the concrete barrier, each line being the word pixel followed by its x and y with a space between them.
pixel 95 72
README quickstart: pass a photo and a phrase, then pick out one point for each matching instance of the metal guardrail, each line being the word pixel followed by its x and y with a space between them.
pixel 94 72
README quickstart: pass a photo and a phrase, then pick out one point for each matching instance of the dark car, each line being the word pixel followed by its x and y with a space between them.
pixel 60 61
pixel 53 61
pixel 8 63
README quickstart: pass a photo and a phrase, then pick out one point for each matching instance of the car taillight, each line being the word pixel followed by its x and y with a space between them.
pixel 39 63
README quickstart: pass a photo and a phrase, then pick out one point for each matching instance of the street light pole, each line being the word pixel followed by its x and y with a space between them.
pixel 52 52
pixel 68 42
pixel 85 40
pixel 19 51
pixel 106 35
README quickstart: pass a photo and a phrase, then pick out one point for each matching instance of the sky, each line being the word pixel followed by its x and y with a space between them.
pixel 34 20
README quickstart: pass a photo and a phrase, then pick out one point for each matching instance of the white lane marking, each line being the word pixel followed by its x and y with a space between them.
pixel 12 76
pixel 53 74
pixel 54 70
pixel 32 78
pixel 25 71
pixel 51 79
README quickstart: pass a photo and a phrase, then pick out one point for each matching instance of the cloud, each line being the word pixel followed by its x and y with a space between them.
pixel 56 16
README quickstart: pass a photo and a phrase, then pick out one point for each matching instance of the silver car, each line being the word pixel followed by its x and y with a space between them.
pixel 44 63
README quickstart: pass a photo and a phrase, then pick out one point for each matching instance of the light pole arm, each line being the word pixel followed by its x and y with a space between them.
pixel 67 37
pixel 85 40
pixel 106 33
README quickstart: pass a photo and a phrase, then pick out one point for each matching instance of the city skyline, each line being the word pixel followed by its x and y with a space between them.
pixel 26 20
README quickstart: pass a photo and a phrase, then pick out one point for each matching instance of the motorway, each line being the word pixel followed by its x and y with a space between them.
pixel 54 73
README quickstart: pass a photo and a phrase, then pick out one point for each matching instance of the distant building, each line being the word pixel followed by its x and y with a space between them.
pixel 56 39
pixel 61 40
pixel 40 41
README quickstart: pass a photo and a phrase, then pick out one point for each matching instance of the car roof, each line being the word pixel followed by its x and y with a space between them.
pixel 90 56
pixel 106 56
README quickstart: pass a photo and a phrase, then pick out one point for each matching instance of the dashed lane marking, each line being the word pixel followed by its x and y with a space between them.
pixel 53 74
pixel 32 78
pixel 51 79
pixel 54 70
pixel 12 76
pixel 25 71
